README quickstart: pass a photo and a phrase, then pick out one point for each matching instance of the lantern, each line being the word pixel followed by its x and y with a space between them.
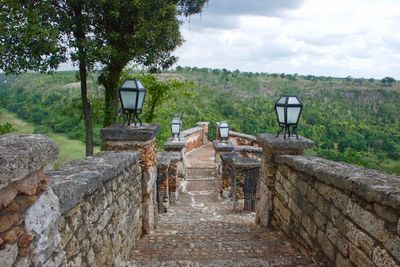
pixel 223 130
pixel 176 127
pixel 288 110
pixel 131 95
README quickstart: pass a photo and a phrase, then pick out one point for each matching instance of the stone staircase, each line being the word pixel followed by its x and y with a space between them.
pixel 203 231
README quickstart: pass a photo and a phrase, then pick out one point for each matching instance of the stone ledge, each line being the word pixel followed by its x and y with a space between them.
pixel 145 132
pixel 242 135
pixel 249 149
pixel 202 123
pixel 223 146
pixel 23 155
pixel 245 163
pixel 191 131
pixel 80 178
pixel 229 156
pixel 371 185
pixel 175 144
pixel 165 158
pixel 275 143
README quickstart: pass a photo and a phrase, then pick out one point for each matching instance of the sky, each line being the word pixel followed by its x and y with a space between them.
pixel 360 38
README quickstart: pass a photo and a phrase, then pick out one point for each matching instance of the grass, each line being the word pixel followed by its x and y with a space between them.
pixel 69 149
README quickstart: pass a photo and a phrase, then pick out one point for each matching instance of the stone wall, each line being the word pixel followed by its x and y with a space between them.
pixel 341 214
pixel 98 201
pixel 87 213
pixel 345 214
pixel 22 181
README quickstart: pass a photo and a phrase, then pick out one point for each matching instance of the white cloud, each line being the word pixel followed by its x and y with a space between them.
pixel 332 38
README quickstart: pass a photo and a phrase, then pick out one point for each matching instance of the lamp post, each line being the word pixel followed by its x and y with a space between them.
pixel 223 131
pixel 288 110
pixel 132 94
pixel 176 128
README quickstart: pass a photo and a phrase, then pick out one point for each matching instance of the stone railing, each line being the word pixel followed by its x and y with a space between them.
pixel 167 179
pixel 245 144
pixel 239 180
pixel 89 214
pixel 195 137
pixel 342 214
pixel 242 139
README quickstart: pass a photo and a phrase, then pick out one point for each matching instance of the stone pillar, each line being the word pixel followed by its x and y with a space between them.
pixel 241 167
pixel 163 162
pixel 271 147
pixel 178 146
pixel 227 174
pixel 140 139
pixel 204 125
pixel 221 148
pixel 23 160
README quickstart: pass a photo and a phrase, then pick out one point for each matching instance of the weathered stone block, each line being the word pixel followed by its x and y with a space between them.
pixel 8 255
pixel 41 222
pixel 341 261
pixel 7 221
pixel 23 155
pixel 7 195
pixel 282 193
pixel 263 205
pixel 12 234
pixel 271 142
pixel 328 248
pixel 382 258
pixel 359 258
pixel 359 238
pixel 375 227
pixel 319 219
pixel 309 226
pixel 388 213
pixel 144 132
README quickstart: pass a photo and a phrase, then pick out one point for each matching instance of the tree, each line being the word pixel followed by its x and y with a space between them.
pixel 388 81
pixel 35 35
pixel 143 32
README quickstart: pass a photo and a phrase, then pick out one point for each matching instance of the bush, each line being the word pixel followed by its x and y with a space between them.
pixel 6 128
pixel 39 129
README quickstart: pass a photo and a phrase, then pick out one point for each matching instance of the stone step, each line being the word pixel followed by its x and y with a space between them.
pixel 200 185
pixel 273 253
pixel 198 173
pixel 247 262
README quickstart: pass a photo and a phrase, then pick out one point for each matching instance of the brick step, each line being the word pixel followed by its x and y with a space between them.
pixel 201 172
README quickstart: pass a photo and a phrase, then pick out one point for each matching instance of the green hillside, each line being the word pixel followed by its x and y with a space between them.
pixel 351 120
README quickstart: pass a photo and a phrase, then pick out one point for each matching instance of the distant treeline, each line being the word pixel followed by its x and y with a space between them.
pixel 349 121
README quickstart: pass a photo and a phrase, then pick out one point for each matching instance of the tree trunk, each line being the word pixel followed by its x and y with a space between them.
pixel 87 115
pixel 80 36
pixel 110 79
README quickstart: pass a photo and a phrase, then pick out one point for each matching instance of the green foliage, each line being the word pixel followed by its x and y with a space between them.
pixel 6 128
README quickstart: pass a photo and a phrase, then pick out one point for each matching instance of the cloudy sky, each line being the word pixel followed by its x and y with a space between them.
pixel 338 38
